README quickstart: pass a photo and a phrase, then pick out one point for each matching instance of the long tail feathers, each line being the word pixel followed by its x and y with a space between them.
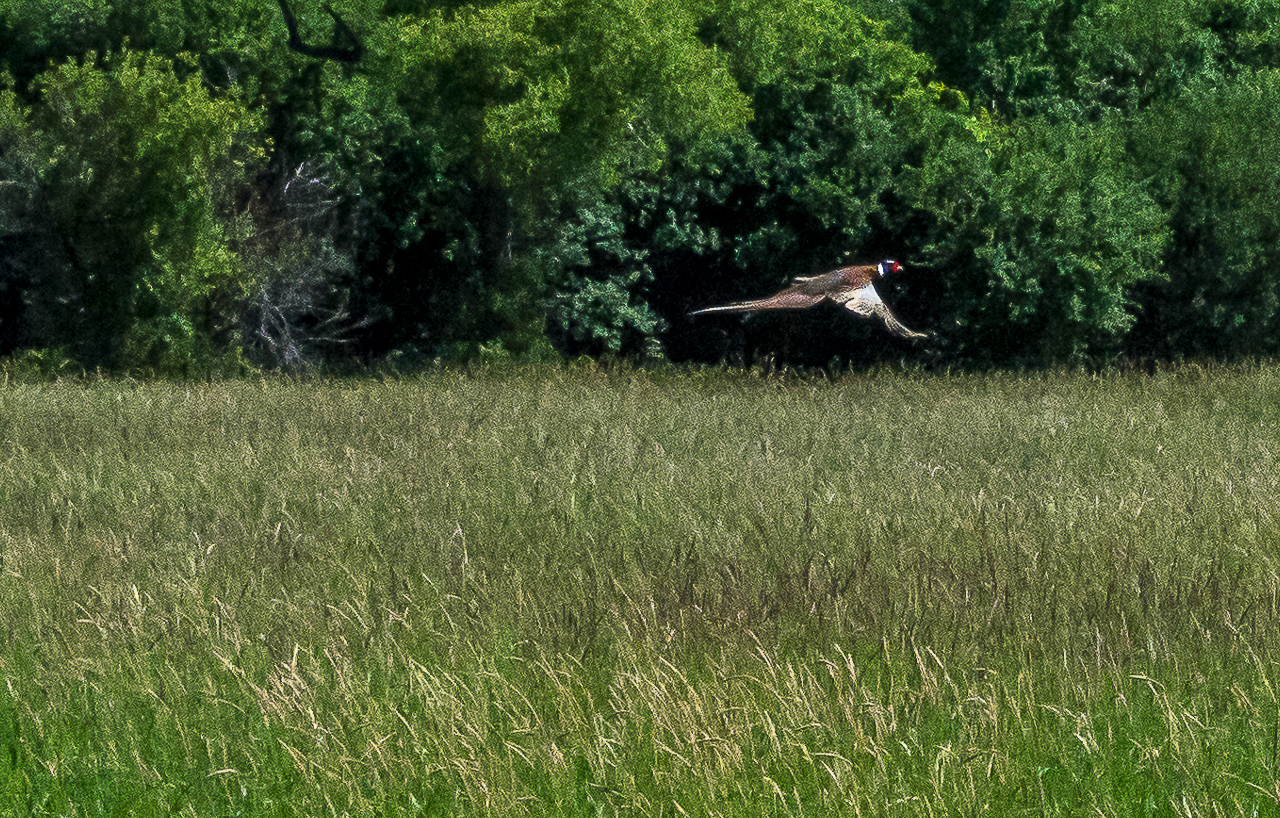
pixel 786 300
pixel 741 306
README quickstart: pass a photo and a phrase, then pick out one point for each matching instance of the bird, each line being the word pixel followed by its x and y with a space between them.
pixel 853 287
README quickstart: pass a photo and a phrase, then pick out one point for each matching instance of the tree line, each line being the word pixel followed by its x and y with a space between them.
pixel 187 187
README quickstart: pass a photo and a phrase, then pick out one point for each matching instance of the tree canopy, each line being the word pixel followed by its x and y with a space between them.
pixel 187 187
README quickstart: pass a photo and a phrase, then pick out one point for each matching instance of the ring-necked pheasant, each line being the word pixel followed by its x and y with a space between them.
pixel 853 287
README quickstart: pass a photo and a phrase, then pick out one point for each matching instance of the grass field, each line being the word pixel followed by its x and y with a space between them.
pixel 582 592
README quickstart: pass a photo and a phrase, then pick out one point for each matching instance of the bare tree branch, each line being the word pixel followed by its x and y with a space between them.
pixel 333 51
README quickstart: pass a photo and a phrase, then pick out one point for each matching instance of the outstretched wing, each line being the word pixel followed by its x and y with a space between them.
pixel 866 301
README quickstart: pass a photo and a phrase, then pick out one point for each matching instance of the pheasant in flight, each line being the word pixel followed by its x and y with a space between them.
pixel 853 287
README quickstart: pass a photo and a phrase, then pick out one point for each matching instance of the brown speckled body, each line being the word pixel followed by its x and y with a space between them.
pixel 853 287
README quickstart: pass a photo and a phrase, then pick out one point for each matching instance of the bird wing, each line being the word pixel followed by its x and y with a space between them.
pixel 866 301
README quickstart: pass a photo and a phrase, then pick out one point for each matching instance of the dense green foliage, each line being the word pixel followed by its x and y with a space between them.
pixel 115 185
pixel 570 592
pixel 296 182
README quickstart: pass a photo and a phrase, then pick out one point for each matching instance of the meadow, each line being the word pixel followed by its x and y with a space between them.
pixel 581 591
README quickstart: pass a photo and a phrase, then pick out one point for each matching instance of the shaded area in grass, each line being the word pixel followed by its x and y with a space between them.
pixel 565 592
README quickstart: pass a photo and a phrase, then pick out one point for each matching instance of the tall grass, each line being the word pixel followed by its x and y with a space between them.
pixel 568 591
